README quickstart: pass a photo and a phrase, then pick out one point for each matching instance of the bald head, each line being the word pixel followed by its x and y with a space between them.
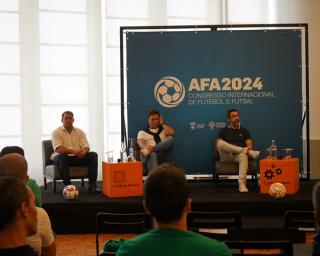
pixel 14 165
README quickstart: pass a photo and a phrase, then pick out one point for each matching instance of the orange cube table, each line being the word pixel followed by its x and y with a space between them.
pixel 285 171
pixel 122 179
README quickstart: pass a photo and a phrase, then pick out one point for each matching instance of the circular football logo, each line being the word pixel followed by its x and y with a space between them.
pixel 169 92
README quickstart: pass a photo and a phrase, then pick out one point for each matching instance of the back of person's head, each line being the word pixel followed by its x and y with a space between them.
pixel 14 165
pixel 12 149
pixel 153 112
pixel 166 193
pixel 13 192
pixel 316 197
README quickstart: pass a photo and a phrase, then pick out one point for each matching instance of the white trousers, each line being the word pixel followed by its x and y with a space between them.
pixel 232 153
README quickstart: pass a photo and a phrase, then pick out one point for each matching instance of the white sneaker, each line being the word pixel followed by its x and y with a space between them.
pixel 144 152
pixel 243 187
pixel 253 154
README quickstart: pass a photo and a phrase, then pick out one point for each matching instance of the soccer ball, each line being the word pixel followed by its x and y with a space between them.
pixel 169 92
pixel 277 190
pixel 70 192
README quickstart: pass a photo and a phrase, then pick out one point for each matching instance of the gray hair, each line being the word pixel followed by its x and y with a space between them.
pixel 316 197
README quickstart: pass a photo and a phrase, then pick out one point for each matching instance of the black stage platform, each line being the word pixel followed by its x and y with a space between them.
pixel 262 215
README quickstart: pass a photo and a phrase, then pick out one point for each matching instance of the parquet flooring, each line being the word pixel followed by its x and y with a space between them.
pixel 82 244
pixel 85 245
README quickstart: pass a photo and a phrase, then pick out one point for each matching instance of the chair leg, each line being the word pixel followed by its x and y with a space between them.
pixel 45 183
pixel 215 179
pixel 82 182
pixel 54 186
pixel 252 179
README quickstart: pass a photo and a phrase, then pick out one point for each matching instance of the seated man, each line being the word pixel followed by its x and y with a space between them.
pixel 234 143
pixel 30 182
pixel 15 165
pixel 166 199
pixel 316 207
pixel 155 141
pixel 71 148
pixel 18 217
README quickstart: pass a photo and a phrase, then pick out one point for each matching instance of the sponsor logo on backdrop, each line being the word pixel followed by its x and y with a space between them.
pixel 170 92
pixel 210 125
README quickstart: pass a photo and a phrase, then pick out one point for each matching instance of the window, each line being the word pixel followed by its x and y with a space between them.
pixel 191 12
pixel 136 13
pixel 10 97
pixel 63 62
pixel 247 11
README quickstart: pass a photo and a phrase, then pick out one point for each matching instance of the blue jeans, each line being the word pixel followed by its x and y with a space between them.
pixel 161 154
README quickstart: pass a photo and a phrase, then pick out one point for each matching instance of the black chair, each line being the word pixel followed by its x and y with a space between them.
pixel 51 171
pixel 136 154
pixel 121 223
pixel 231 168
pixel 218 225
pixel 296 224
pixel 238 248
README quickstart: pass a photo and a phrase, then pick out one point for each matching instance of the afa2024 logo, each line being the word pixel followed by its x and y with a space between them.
pixel 170 92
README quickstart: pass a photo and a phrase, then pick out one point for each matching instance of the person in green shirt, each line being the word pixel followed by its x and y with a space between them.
pixel 30 182
pixel 36 191
pixel 166 199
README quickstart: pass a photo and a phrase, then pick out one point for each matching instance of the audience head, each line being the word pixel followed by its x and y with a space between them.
pixel 17 204
pixel 12 149
pixel 67 119
pixel 14 165
pixel 154 119
pixel 316 201
pixel 166 193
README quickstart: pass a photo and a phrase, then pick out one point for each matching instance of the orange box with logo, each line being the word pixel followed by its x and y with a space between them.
pixel 122 179
pixel 285 171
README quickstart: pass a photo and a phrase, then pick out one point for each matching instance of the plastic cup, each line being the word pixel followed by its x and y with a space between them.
pixel 109 155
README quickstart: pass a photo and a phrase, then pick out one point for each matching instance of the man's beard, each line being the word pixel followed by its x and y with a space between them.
pixel 237 123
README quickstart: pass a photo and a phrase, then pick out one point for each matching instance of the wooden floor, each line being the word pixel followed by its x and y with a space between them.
pixel 85 244
pixel 82 245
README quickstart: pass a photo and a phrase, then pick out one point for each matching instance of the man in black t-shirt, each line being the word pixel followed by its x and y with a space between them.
pixel 234 143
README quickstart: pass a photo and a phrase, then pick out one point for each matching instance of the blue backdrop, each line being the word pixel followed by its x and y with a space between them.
pixel 193 78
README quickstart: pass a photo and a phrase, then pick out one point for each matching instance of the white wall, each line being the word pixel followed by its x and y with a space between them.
pixel 307 11
pixel 295 11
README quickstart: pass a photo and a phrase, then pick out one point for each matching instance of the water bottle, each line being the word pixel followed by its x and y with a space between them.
pixel 273 149
pixel 123 152
pixel 131 157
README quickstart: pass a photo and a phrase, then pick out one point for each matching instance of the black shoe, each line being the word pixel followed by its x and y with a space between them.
pixel 92 189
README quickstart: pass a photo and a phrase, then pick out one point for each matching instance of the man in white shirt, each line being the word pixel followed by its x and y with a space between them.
pixel 71 148
pixel 155 141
